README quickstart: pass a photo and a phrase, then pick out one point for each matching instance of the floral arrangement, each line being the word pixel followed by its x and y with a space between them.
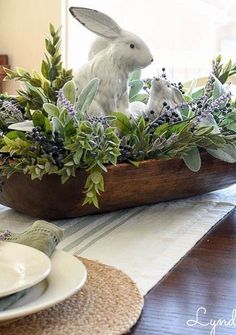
pixel 45 129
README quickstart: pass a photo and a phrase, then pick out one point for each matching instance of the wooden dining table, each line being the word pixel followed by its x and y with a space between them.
pixel 199 292
pixel 198 296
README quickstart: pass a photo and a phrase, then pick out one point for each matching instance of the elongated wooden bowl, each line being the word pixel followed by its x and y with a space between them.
pixel 125 186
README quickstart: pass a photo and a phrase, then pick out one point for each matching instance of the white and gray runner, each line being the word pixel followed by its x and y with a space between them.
pixel 145 242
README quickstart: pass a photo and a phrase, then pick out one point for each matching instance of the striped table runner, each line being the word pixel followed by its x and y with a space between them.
pixel 145 242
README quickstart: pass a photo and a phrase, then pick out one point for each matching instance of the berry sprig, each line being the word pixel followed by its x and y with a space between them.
pixel 47 144
pixel 178 85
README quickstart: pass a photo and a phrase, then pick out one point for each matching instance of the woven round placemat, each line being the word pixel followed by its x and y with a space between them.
pixel 108 304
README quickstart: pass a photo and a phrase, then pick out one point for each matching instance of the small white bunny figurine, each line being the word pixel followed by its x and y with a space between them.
pixel 163 92
pixel 137 109
pixel 111 62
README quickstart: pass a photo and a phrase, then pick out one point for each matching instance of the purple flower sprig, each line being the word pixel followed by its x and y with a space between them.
pixel 65 103
pixel 10 110
pixel 203 110
pixel 4 235
pixel 216 104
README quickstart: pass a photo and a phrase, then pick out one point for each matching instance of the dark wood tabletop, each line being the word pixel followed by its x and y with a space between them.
pixel 201 288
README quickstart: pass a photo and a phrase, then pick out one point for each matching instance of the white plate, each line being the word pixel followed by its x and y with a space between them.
pixel 21 267
pixel 67 276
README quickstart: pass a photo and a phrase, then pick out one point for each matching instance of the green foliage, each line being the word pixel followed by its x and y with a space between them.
pixel 122 122
pixel 53 133
pixel 218 89
pixel 142 97
pixel 223 71
pixel 86 97
pixel 136 75
pixel 228 122
pixel 14 146
pixel 26 125
pixel 227 153
pixel 136 85
pixel 93 146
pixel 192 159
pixel 69 91
pixel 40 88
pixel 93 186
pixel 197 93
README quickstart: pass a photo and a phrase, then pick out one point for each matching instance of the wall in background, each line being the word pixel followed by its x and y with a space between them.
pixel 183 35
pixel 183 39
pixel 23 27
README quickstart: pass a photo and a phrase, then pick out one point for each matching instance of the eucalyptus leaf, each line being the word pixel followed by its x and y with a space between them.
pixel 135 88
pixel 57 125
pixel 70 91
pixel 22 126
pixel 192 159
pixel 226 154
pixel 219 89
pixel 136 75
pixel 51 110
pixel 197 93
pixel 142 97
pixel 86 96
pixel 209 121
pixel 187 98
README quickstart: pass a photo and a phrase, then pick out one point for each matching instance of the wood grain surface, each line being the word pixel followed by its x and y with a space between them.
pixel 125 186
pixel 206 277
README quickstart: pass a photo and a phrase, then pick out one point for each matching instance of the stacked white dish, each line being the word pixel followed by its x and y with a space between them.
pixel 48 281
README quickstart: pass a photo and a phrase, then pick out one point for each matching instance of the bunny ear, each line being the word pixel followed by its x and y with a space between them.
pixel 177 95
pixel 97 22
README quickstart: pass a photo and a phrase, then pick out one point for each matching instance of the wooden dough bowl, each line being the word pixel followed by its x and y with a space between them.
pixel 125 186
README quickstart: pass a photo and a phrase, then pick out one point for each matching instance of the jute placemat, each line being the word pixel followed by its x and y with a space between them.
pixel 109 304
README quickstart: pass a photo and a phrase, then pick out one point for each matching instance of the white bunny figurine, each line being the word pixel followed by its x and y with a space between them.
pixel 163 92
pixel 98 45
pixel 112 62
pixel 137 109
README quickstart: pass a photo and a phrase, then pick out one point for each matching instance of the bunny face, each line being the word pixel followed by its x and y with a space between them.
pixel 125 47
pixel 162 86
pixel 130 49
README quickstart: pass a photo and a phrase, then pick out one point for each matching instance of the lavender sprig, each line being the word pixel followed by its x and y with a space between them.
pixel 209 87
pixel 10 113
pixel 65 103
pixel 202 109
